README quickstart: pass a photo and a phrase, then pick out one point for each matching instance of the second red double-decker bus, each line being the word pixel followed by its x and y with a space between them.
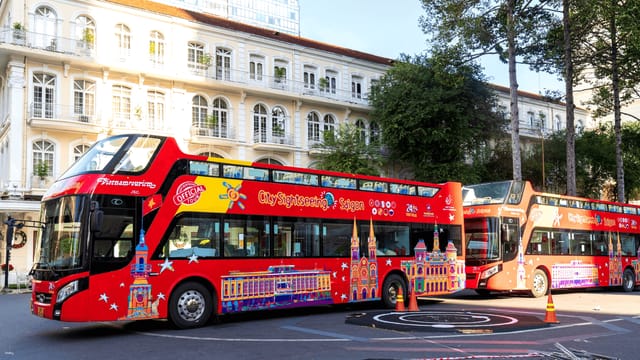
pixel 136 229
pixel 519 239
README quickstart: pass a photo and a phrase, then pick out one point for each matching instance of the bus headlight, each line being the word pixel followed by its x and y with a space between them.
pixel 490 272
pixel 67 290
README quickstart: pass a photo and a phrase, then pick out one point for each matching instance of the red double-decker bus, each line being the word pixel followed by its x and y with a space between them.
pixel 136 229
pixel 519 239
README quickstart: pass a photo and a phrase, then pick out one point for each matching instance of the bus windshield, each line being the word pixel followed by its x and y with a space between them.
pixel 482 238
pixel 100 158
pixel 61 247
pixel 489 193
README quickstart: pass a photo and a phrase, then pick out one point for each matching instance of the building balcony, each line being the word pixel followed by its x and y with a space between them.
pixel 61 117
pixel 46 42
pixel 222 135
pixel 139 60
pixel 273 140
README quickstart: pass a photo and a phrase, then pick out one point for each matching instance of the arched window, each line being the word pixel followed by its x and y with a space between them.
pixel 278 122
pixel 558 123
pixel 579 126
pixel 197 60
pixel 269 161
pixel 362 130
pixel 329 125
pixel 259 123
pixel 43 153
pixel 123 40
pixel 223 64
pixel 156 48
pixel 78 150
pixel 44 91
pixel 313 128
pixel 84 99
pixel 211 154
pixel 199 114
pixel 85 33
pixel 374 133
pixel 45 28
pixel 155 109
pixel 220 118
pixel 121 105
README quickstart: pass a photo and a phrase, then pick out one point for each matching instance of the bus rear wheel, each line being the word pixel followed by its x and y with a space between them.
pixel 390 289
pixel 628 280
pixel 190 305
pixel 540 284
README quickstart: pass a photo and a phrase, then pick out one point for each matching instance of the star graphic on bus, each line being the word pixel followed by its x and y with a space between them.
pixel 233 194
pixel 104 297
pixel 193 258
pixel 166 265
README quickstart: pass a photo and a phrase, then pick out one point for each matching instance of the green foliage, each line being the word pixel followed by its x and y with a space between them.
pixel 507 28
pixel 41 169
pixel 432 113
pixel 347 151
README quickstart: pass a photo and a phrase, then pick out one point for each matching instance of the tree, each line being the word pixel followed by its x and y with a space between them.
pixel 609 54
pixel 348 151
pixel 434 112
pixel 507 28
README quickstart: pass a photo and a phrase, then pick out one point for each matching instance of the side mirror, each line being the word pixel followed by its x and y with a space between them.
pixel 96 217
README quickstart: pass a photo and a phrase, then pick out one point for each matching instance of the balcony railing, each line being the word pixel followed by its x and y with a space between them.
pixel 141 58
pixel 273 137
pixel 58 44
pixel 48 111
pixel 223 132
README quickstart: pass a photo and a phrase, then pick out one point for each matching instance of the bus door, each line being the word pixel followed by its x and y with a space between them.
pixel 509 238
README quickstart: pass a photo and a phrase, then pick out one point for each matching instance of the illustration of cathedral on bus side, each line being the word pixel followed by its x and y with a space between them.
pixel 429 273
pixel 434 272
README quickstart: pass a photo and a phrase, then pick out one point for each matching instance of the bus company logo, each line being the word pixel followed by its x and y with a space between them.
pixel 412 210
pixel 623 223
pixel 448 200
pixel 126 183
pixel 188 193
pixel 428 211
pixel 609 222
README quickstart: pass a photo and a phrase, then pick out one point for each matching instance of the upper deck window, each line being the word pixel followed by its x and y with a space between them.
pixel 102 156
pixel 138 156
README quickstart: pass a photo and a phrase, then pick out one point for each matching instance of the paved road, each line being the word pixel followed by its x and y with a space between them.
pixel 600 322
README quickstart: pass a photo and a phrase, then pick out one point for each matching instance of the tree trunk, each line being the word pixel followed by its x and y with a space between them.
pixel 568 81
pixel 513 93
pixel 615 84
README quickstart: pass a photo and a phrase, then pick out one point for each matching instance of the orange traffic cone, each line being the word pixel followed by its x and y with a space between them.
pixel 413 302
pixel 550 316
pixel 400 300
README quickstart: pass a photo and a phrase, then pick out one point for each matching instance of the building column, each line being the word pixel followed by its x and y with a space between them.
pixel 16 101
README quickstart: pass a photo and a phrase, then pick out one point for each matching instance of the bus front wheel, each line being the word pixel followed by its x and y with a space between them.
pixel 628 280
pixel 390 289
pixel 540 284
pixel 190 305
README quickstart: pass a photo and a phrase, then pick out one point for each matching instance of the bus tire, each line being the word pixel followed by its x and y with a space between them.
pixel 390 288
pixel 190 305
pixel 628 280
pixel 540 283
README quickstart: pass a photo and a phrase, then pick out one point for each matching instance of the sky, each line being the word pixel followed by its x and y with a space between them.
pixel 389 28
